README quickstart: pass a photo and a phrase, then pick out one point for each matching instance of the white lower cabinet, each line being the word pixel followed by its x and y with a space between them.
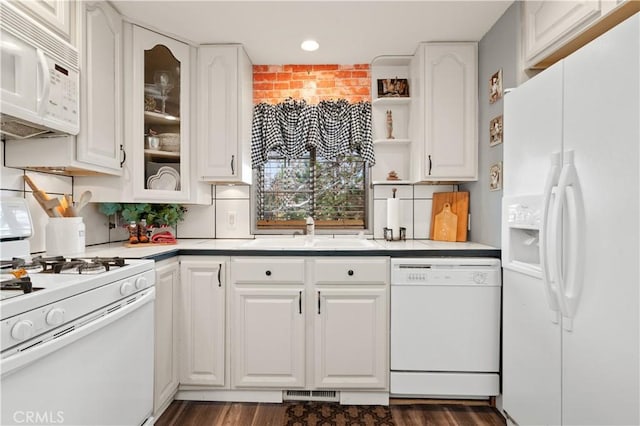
pixel 166 334
pixel 351 324
pixel 325 317
pixel 202 321
pixel 350 331
pixel 268 337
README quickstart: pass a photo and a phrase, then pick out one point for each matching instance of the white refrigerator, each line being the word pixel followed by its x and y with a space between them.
pixel 570 238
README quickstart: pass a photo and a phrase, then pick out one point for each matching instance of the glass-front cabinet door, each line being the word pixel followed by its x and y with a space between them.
pixel 161 123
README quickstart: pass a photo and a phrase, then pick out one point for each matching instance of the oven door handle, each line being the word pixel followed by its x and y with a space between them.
pixel 33 354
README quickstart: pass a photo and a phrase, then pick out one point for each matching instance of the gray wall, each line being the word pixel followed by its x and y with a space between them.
pixel 498 49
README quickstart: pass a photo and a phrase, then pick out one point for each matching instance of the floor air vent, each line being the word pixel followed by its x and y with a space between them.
pixel 303 395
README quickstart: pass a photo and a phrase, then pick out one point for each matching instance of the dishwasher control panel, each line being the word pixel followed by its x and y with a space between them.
pixel 446 271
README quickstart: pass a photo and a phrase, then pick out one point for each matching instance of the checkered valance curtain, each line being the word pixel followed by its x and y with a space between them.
pixel 332 128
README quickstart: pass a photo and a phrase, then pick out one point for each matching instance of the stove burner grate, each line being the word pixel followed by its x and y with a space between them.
pixel 60 264
pixel 23 284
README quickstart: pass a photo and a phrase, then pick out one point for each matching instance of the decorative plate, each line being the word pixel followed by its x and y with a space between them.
pixel 167 179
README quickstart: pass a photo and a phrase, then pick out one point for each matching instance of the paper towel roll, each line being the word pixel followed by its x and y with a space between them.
pixel 393 216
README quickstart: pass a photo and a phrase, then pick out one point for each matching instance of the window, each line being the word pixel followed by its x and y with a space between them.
pixel 333 192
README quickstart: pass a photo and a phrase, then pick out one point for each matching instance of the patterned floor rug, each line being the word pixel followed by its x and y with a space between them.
pixel 334 414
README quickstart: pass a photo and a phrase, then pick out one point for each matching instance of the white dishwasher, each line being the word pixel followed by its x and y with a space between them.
pixel 445 327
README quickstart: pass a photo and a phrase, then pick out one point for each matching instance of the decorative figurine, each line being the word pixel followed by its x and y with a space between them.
pixel 392 175
pixel 389 125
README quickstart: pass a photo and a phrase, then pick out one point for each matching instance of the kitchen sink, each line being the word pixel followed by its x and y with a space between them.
pixel 344 243
pixel 278 243
pixel 309 244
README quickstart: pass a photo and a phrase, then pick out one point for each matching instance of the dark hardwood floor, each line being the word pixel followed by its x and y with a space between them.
pixel 404 413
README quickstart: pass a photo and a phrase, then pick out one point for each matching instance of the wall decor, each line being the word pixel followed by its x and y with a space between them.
pixel 389 125
pixel 495 86
pixel 495 131
pixel 393 87
pixel 495 177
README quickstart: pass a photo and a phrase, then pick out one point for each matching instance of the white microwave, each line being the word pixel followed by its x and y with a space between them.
pixel 39 83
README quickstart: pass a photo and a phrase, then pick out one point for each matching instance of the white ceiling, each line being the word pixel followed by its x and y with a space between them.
pixel 349 32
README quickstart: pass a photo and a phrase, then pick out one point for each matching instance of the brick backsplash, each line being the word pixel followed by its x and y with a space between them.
pixel 275 83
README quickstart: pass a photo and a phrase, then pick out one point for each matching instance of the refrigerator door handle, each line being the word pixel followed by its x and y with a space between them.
pixel 549 198
pixel 570 282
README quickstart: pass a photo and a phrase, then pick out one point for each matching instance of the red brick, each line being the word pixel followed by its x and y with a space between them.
pixel 266 76
pixel 326 75
pixel 323 84
pixel 263 85
pixel 298 68
pixel 326 67
pixel 342 74
pixel 302 76
pixel 362 91
pixel 283 76
pixel 274 83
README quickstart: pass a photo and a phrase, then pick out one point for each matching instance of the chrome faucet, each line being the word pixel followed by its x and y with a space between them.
pixel 311 226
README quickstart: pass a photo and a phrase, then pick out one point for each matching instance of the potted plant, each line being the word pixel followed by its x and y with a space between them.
pixel 156 215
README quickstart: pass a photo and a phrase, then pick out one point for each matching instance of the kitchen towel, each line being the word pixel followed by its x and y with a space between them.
pixel 393 216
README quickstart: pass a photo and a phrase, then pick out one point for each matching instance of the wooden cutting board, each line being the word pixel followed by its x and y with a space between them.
pixel 445 225
pixel 459 202
pixel 129 245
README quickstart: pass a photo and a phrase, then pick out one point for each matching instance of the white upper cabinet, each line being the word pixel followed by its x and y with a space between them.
pixel 96 149
pixel 54 14
pixel 549 23
pixel 100 139
pixel 444 104
pixel 552 30
pixel 160 131
pixel 156 139
pixel 225 96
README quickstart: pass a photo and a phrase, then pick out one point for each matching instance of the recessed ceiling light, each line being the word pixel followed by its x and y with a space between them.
pixel 309 45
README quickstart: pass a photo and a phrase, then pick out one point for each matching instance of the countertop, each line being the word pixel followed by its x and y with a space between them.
pixel 231 247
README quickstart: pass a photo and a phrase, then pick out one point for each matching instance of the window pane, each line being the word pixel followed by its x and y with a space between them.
pixel 286 189
pixel 332 192
pixel 340 189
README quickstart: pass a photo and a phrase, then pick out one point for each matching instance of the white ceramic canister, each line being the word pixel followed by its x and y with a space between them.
pixel 64 236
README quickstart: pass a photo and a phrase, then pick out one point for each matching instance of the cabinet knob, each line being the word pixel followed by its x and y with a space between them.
pixel 268 273
pixel 350 272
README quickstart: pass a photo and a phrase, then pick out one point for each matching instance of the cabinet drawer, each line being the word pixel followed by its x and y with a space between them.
pixel 351 271
pixel 267 270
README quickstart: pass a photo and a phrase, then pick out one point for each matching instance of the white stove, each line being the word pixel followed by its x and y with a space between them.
pixel 60 321
pixel 57 298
